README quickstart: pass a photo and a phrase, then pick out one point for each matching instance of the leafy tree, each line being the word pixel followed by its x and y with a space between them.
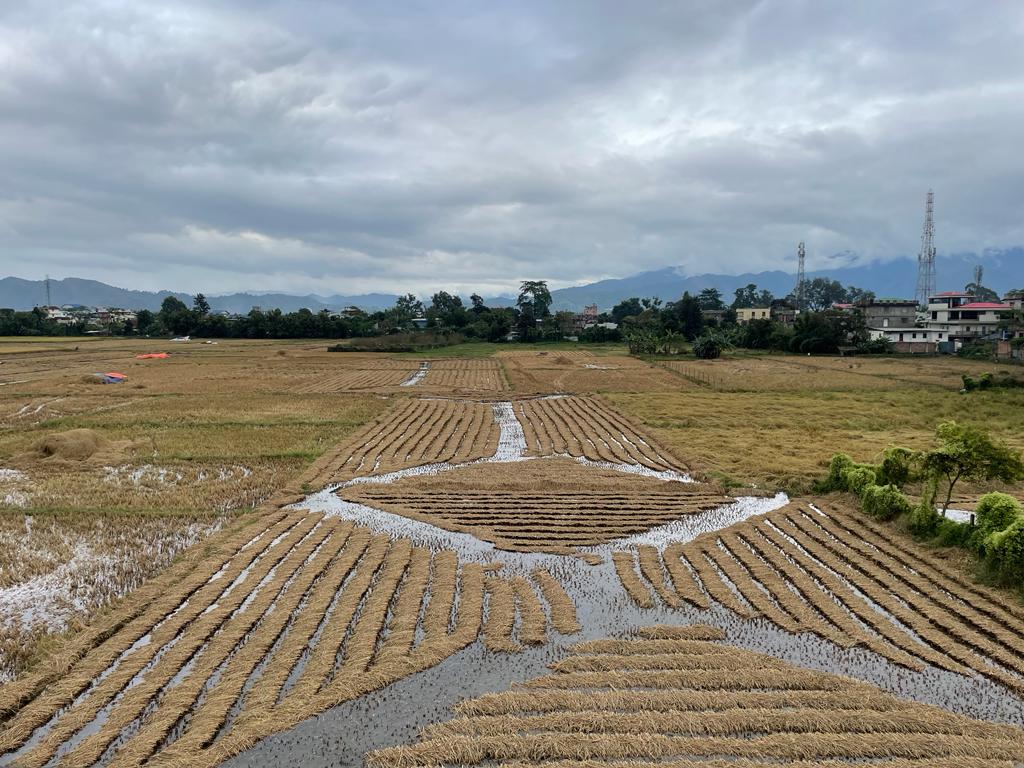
pixel 144 320
pixel 710 298
pixel 535 295
pixel 447 311
pixel 478 303
pixel 200 305
pixel 707 347
pixel 626 308
pixel 825 332
pixel 175 316
pixel 757 334
pixel 749 296
pixel 966 452
pixel 821 293
pixel 980 292
pixel 684 317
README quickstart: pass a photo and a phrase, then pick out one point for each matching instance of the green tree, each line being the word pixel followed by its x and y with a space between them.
pixel 175 316
pixel 684 317
pixel 200 305
pixel 447 311
pixel 710 298
pixel 478 303
pixel 626 308
pixel 749 296
pixel 966 452
pixel 980 292
pixel 535 295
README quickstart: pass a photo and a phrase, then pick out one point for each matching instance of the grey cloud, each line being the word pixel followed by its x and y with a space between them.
pixel 227 145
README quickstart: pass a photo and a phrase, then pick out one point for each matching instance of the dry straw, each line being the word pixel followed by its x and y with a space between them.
pixel 563 611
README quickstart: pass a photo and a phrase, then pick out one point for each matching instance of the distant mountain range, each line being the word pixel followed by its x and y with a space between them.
pixel 1004 270
pixel 25 294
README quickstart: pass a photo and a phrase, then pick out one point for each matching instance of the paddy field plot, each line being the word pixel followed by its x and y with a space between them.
pixel 675 696
pixel 288 615
pixel 557 506
pixel 531 371
pixel 831 573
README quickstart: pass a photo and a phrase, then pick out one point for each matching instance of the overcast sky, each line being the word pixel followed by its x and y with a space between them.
pixel 346 147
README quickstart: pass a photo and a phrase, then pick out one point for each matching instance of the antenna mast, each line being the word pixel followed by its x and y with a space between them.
pixel 48 302
pixel 926 258
pixel 979 273
pixel 800 277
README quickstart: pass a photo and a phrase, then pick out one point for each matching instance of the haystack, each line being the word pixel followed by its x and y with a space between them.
pixel 82 445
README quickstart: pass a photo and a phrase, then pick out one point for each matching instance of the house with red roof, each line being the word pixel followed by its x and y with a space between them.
pixel 957 318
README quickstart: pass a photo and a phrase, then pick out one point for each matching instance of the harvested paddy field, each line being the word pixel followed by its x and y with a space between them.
pixel 398 549
pixel 584 427
pixel 675 696
pixel 784 439
pixel 288 615
pixel 553 507
pixel 533 372
pixel 414 433
pixel 464 376
pixel 832 573
pixel 792 373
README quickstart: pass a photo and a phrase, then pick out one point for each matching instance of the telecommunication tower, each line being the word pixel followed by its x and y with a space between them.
pixel 926 258
pixel 979 273
pixel 48 302
pixel 801 277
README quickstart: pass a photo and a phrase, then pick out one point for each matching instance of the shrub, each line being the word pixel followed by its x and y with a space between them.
pixel 835 480
pixel 707 347
pixel 969 384
pixel 985 381
pixel 996 511
pixel 884 502
pixel 1005 552
pixel 896 466
pixel 857 478
pixel 924 520
pixel 950 533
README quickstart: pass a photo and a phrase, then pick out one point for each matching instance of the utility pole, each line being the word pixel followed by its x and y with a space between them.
pixel 801 277
pixel 926 258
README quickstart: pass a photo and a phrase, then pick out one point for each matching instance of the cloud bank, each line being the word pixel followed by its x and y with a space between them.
pixel 300 145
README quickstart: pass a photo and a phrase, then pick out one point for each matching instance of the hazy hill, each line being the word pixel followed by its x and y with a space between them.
pixel 1004 269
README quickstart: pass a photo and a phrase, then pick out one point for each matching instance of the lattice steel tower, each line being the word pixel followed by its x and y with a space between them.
pixel 801 277
pixel 926 258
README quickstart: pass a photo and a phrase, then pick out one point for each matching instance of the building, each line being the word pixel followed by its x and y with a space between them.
pixel 585 319
pixel 910 340
pixel 957 318
pixel 745 314
pixel 889 313
pixel 782 313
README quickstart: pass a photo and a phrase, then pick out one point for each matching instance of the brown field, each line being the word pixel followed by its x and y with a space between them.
pixel 586 427
pixel 793 373
pixel 246 616
pixel 464 376
pixel 690 701
pixel 785 439
pixel 841 577
pixel 554 506
pixel 290 614
pixel 60 568
pixel 414 433
pixel 533 372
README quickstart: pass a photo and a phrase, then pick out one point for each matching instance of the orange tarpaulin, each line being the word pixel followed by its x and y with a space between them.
pixel 152 356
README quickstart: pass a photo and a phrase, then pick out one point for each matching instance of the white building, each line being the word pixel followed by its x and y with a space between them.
pixel 956 317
